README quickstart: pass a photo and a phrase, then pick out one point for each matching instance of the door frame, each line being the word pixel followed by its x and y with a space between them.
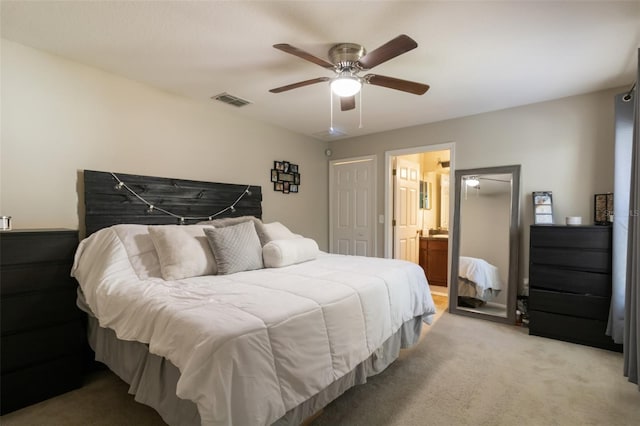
pixel 374 195
pixel 388 187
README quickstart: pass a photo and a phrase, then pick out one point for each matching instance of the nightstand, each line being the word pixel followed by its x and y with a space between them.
pixel 42 329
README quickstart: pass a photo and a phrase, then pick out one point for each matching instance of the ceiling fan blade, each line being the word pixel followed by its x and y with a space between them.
pixel 304 55
pixel 397 46
pixel 396 83
pixel 347 103
pixel 299 84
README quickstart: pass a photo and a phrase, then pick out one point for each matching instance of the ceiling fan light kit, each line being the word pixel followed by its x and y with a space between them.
pixel 347 60
pixel 346 85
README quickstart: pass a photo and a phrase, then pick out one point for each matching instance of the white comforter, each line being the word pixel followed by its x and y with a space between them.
pixel 252 345
pixel 484 275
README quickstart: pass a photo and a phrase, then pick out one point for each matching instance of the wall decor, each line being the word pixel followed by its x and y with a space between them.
pixel 542 208
pixel 285 177
pixel 603 209
pixel 425 195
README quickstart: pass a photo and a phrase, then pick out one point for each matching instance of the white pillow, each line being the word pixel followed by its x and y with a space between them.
pixel 279 253
pixel 140 250
pixel 277 231
pixel 183 251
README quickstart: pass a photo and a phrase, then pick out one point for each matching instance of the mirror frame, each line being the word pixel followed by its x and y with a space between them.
pixel 514 244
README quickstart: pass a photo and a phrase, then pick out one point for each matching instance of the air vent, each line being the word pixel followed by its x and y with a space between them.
pixel 231 100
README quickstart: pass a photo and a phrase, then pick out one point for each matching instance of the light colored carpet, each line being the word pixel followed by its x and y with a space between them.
pixel 467 371
pixel 464 371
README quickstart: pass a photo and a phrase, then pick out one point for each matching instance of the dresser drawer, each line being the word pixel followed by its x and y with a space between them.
pixel 20 247
pixel 17 279
pixel 572 281
pixel 578 305
pixel 41 345
pixel 580 237
pixel 27 311
pixel 584 331
pixel 34 384
pixel 585 260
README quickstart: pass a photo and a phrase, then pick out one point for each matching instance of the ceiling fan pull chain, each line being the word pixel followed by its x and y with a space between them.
pixel 331 109
pixel 360 95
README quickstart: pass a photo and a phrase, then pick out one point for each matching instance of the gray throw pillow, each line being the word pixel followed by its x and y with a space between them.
pixel 230 221
pixel 236 248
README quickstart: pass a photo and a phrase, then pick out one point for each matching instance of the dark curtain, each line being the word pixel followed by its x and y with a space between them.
pixel 632 299
pixel 622 190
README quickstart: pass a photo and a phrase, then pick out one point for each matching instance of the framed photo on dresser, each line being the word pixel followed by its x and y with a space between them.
pixel 542 208
pixel 603 209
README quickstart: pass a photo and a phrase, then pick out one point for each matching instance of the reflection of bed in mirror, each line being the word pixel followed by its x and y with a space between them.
pixel 484 243
pixel 478 282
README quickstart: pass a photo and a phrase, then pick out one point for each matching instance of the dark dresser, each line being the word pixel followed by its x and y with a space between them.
pixel 42 329
pixel 570 284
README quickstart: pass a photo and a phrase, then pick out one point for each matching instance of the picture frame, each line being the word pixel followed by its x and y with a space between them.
pixel 603 209
pixel 542 207
pixel 285 177
pixel 425 195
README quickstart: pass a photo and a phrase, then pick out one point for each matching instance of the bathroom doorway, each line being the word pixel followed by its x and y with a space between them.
pixel 418 198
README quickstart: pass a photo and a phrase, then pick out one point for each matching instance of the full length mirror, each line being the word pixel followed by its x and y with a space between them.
pixel 484 263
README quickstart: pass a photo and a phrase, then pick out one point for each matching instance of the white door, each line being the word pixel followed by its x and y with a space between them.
pixel 352 206
pixel 407 226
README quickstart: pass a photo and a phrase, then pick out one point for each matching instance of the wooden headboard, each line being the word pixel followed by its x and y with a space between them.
pixel 107 202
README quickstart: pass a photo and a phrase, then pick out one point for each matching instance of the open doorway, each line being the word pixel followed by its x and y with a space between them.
pixel 418 201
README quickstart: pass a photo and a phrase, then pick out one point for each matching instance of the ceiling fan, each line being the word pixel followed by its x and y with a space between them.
pixel 347 60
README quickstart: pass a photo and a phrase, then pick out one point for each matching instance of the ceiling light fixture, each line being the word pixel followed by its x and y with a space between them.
pixel 346 84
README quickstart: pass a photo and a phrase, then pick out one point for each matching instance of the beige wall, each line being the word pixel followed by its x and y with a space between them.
pixel 60 117
pixel 564 146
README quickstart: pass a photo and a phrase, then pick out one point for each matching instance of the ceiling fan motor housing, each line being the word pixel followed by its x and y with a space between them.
pixel 346 55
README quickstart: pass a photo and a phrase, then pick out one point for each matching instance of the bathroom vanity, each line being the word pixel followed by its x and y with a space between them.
pixel 433 257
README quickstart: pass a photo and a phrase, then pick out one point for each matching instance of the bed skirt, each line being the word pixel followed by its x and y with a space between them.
pixel 152 379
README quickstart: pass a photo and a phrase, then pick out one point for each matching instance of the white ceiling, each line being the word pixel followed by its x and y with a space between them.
pixel 476 56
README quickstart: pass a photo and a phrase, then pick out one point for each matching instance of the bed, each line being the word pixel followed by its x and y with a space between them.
pixel 478 281
pixel 244 345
